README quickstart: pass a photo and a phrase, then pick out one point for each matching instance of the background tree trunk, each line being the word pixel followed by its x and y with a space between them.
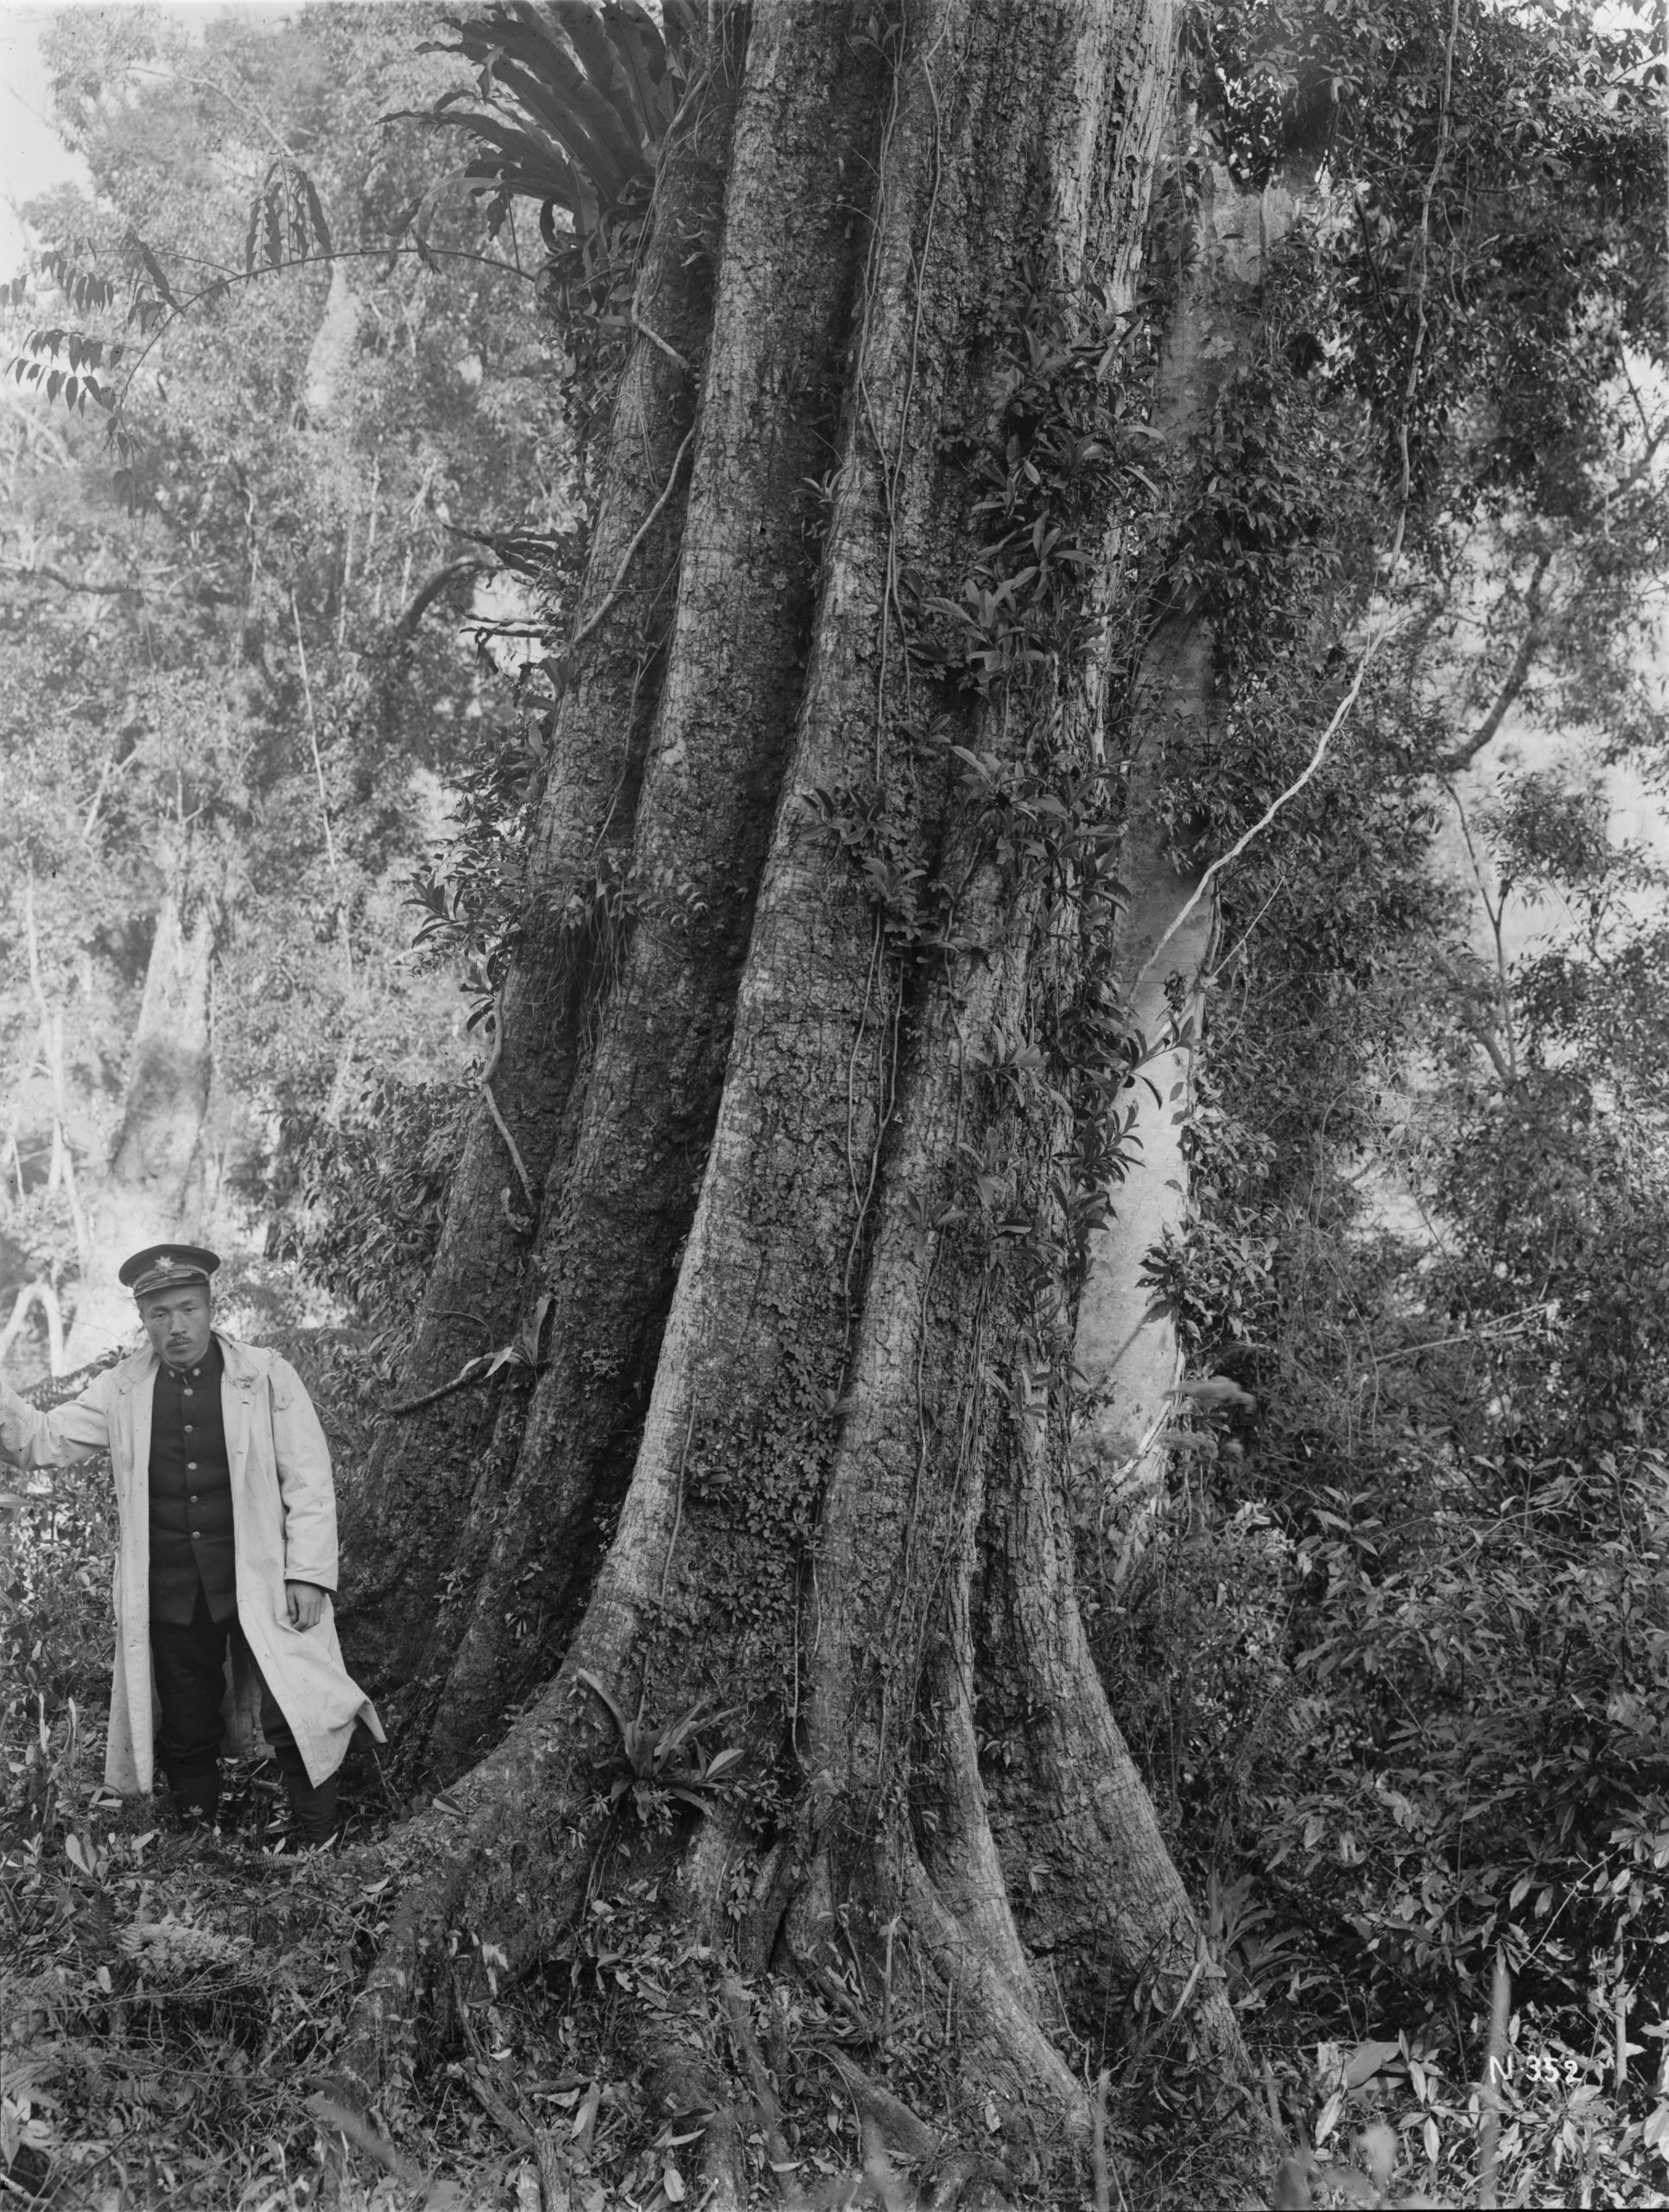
pixel 1128 1351
pixel 169 1070
pixel 145 1194
pixel 39 1293
pixel 330 357
pixel 871 889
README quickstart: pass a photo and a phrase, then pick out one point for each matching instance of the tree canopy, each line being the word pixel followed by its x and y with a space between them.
pixel 242 687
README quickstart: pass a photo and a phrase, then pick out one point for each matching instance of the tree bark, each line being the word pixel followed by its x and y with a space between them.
pixel 612 1231
pixel 813 1197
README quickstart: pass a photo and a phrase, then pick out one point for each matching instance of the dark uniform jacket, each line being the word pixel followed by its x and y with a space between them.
pixel 191 1531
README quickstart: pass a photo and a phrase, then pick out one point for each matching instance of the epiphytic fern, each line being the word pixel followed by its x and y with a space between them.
pixel 574 101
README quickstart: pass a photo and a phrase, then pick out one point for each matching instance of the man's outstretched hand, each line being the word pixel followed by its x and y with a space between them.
pixel 307 1603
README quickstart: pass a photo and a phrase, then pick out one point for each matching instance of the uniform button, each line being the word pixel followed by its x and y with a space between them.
pixel 188 1428
pixel 188 1391
pixel 196 1535
pixel 191 1467
pixel 192 1500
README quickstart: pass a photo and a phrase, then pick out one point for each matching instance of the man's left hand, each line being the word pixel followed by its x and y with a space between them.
pixel 307 1603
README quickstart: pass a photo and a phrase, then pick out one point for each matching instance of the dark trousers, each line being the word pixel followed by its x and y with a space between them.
pixel 189 1664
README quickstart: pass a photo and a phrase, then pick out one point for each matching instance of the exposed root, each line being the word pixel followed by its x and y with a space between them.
pixel 408 1990
pixel 762 1923
pixel 765 2096
pixel 961 2183
pixel 1013 2052
pixel 686 2085
pixel 1075 1805
pixel 724 2166
pixel 554 2176
pixel 960 1852
pixel 481 1883
pixel 508 2122
pixel 518 1868
pixel 878 2108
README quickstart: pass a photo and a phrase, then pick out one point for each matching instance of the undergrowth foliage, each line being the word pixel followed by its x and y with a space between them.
pixel 1419 1568
pixel 58 1640
pixel 362 1206
pixel 1421 1586
pixel 172 2001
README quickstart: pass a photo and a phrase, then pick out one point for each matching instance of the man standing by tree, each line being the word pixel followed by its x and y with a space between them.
pixel 227 1548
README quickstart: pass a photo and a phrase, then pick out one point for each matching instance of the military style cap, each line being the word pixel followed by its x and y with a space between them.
pixel 165 1267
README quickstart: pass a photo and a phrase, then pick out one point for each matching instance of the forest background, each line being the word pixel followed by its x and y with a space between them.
pixel 1380 1606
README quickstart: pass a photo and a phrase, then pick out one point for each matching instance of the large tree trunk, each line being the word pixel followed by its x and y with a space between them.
pixel 816 1196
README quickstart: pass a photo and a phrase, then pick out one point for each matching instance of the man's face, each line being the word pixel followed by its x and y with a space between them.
pixel 177 1323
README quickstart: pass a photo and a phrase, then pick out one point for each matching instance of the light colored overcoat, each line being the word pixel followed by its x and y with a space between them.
pixel 284 1523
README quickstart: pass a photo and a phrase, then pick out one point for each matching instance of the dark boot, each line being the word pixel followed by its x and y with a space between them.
pixel 197 1798
pixel 312 1807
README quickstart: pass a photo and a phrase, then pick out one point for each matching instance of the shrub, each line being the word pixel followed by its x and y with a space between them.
pixel 1213 1735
